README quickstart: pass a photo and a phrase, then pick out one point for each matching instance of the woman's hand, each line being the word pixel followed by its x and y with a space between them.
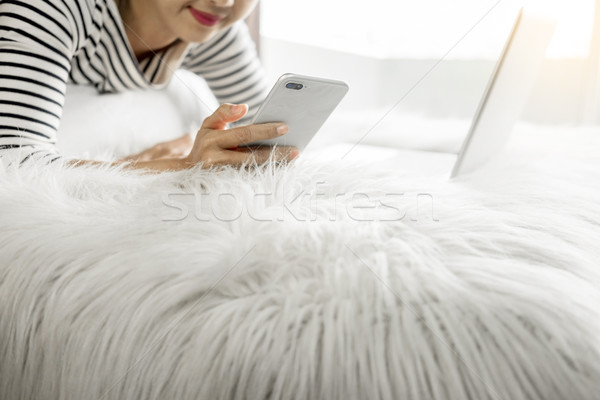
pixel 176 148
pixel 216 145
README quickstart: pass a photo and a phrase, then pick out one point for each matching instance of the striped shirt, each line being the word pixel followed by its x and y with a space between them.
pixel 46 43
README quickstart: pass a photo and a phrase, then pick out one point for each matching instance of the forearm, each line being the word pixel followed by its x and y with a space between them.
pixel 161 165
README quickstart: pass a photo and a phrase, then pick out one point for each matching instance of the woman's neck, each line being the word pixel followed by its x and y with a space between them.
pixel 141 28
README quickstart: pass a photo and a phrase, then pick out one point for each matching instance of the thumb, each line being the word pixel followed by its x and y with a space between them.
pixel 225 114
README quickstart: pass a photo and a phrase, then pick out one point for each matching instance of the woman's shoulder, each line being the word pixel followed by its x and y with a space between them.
pixel 64 25
pixel 74 12
pixel 86 6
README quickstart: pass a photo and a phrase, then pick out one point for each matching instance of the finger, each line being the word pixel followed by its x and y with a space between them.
pixel 286 153
pixel 277 153
pixel 229 157
pixel 248 156
pixel 225 114
pixel 249 134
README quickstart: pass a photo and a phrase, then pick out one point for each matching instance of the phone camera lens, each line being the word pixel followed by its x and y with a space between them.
pixel 295 86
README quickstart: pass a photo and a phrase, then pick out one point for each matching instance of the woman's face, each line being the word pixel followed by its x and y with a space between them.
pixel 195 20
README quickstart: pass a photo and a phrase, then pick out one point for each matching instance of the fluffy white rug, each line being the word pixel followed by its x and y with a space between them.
pixel 321 280
pixel 313 281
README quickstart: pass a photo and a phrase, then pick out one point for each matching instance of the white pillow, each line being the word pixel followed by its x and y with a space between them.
pixel 103 126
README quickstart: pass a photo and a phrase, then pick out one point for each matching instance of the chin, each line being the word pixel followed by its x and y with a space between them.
pixel 195 36
pixel 199 35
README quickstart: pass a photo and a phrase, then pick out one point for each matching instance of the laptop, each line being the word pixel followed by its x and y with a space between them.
pixel 499 109
pixel 507 92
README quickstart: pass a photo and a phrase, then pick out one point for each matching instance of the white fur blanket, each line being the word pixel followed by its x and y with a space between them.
pixel 320 280
pixel 106 292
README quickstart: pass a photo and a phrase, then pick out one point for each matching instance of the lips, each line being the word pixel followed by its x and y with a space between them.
pixel 205 18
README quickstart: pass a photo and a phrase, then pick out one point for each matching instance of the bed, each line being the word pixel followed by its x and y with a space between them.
pixel 335 277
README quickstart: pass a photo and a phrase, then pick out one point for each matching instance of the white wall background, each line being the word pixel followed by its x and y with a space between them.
pixel 384 50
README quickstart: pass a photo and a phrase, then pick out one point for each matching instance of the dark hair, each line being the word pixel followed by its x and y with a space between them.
pixel 122 5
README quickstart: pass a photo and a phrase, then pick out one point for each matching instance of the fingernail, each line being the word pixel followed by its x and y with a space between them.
pixel 237 108
pixel 294 154
pixel 282 129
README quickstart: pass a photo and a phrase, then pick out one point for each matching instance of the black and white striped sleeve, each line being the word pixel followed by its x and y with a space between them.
pixel 230 65
pixel 36 47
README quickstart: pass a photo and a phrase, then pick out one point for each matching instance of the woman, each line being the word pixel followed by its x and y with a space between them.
pixel 119 45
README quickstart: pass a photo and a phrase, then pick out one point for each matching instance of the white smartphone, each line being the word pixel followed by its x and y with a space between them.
pixel 303 103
